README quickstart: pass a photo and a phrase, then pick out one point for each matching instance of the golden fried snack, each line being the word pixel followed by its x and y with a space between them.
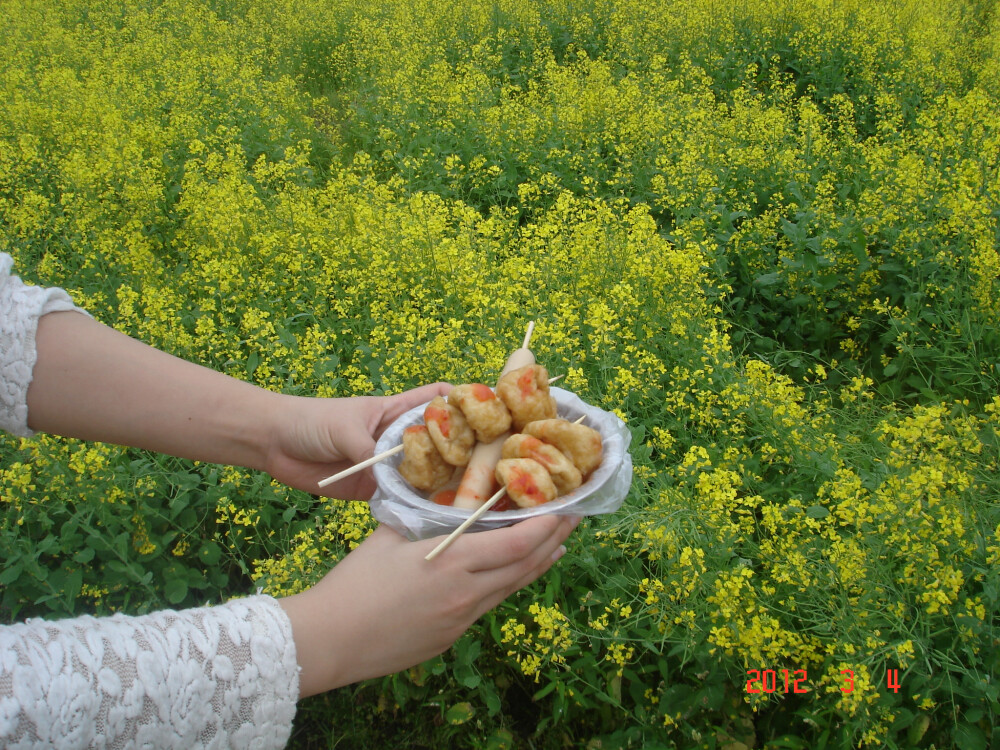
pixel 565 476
pixel 525 391
pixel 486 413
pixel 422 464
pixel 450 431
pixel 526 480
pixel 582 444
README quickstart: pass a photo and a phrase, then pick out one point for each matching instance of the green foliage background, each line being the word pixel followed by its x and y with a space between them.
pixel 764 232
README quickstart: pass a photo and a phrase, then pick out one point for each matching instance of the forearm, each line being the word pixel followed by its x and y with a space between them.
pixel 94 383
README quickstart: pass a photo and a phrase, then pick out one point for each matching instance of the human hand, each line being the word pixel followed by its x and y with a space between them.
pixel 317 437
pixel 383 608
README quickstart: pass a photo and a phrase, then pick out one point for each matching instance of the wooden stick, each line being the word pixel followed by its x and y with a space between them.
pixel 466 524
pixel 363 465
pixel 557 377
pixel 527 335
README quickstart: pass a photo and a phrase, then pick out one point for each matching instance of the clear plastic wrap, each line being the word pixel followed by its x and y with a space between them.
pixel 409 512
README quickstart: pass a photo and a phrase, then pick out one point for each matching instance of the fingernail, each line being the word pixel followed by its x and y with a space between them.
pixel 559 552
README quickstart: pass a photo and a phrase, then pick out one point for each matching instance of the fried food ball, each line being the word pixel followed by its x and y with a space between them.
pixel 485 413
pixel 582 444
pixel 450 431
pixel 422 464
pixel 565 476
pixel 526 480
pixel 525 391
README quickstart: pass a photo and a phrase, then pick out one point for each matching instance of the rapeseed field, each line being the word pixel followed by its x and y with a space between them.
pixel 765 233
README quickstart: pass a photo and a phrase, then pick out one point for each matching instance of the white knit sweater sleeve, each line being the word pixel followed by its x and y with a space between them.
pixel 211 677
pixel 20 308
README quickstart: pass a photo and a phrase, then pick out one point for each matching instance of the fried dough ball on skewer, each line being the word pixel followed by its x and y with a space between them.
pixel 525 391
pixel 582 444
pixel 450 431
pixel 565 476
pixel 486 413
pixel 422 465
pixel 526 480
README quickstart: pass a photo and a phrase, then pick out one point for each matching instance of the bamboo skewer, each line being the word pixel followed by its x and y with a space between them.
pixel 527 335
pixel 359 466
pixel 466 524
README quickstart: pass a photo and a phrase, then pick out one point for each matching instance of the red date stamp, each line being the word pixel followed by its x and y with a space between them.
pixel 795 681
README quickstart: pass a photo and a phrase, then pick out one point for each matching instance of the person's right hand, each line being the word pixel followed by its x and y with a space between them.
pixel 384 608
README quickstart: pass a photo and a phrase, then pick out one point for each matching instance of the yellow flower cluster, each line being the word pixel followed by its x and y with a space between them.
pixel 311 553
pixel 544 644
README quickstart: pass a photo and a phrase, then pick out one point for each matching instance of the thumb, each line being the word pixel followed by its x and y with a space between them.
pixel 352 440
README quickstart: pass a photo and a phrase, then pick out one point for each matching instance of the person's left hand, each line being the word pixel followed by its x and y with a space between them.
pixel 318 437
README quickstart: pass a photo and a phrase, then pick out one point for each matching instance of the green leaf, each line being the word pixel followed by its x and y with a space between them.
pixel 501 739
pixel 72 585
pixel 544 691
pixel 175 590
pixel 492 700
pixel 817 511
pixel 970 737
pixel 471 681
pixel 459 713
pixel 180 502
pixel 11 574
pixel 918 728
pixel 209 553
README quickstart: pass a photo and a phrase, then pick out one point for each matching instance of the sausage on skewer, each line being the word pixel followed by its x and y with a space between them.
pixel 477 483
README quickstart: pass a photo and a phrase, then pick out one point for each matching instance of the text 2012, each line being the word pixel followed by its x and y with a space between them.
pixel 794 681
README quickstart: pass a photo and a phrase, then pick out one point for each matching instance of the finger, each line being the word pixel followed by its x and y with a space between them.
pixel 499 583
pixel 539 569
pixel 365 485
pixel 352 439
pixel 360 486
pixel 536 537
pixel 506 581
pixel 497 595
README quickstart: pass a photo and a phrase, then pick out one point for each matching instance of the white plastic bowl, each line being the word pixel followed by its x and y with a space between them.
pixel 410 512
